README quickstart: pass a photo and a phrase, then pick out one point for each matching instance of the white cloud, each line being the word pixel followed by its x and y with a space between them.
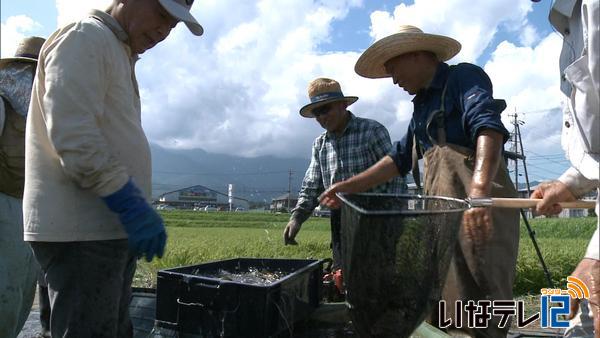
pixel 473 26
pixel 529 35
pixel 238 88
pixel 73 10
pixel 527 78
pixel 14 29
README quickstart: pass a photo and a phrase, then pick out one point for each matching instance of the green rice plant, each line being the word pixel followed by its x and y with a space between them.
pixel 191 246
pixel 581 227
pixel 199 237
pixel 560 255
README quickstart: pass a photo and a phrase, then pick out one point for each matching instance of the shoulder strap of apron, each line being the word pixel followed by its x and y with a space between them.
pixel 416 153
pixel 439 117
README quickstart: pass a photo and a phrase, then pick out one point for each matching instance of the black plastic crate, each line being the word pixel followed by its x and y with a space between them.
pixel 210 307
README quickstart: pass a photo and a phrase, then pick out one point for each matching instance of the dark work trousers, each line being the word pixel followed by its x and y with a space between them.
pixel 336 238
pixel 44 302
pixel 89 285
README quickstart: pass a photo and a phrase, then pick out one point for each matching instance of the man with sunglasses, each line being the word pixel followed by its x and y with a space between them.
pixel 349 145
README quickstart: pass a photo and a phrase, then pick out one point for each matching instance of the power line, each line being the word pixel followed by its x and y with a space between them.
pixel 545 169
pixel 219 173
pixel 531 112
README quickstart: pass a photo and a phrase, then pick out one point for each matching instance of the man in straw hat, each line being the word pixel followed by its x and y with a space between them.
pixel 18 268
pixel 88 170
pixel 579 24
pixel 456 125
pixel 349 145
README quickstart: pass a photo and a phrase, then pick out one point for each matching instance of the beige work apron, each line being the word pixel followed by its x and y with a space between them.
pixel 482 273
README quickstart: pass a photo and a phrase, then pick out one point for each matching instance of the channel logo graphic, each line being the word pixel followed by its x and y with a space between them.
pixel 554 308
pixel 555 303
pixel 577 289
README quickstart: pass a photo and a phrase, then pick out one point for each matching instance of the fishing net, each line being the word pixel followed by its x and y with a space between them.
pixel 396 252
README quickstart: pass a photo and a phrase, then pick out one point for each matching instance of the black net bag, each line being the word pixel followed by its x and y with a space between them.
pixel 396 250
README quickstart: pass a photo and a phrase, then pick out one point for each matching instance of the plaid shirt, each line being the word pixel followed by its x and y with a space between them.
pixel 363 143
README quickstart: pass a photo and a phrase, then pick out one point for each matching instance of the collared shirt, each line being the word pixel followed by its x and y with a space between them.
pixel 84 135
pixel 362 143
pixel 578 21
pixel 469 108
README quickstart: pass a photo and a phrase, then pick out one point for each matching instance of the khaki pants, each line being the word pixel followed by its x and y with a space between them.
pixel 485 273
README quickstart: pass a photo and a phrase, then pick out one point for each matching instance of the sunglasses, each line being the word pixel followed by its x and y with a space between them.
pixel 322 110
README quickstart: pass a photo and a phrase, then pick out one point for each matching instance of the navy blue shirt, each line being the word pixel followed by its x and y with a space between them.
pixel 469 108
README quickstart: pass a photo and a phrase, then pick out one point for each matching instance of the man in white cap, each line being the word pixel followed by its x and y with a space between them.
pixel 88 170
pixel 18 268
pixel 456 125
pixel 579 24
pixel 349 145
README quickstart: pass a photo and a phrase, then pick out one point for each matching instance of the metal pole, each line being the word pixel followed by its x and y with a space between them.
pixel 524 166
pixel 289 190
pixel 537 249
pixel 517 153
pixel 524 215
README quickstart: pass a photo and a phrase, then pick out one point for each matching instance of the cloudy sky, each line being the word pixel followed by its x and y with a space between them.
pixel 239 87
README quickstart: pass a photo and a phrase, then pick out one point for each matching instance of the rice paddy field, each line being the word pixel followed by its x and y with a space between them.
pixel 198 237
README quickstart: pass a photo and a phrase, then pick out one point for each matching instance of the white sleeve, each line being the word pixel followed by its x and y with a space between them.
pixel 590 15
pixel 2 115
pixel 577 183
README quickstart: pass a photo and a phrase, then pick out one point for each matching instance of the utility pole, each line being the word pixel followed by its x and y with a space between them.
pixel 518 145
pixel 523 152
pixel 289 189
pixel 516 142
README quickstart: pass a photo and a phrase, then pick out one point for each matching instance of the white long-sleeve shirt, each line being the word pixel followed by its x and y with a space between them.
pixel 84 137
pixel 579 23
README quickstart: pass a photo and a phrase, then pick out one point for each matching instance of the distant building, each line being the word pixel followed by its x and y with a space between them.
pixel 200 196
pixel 284 203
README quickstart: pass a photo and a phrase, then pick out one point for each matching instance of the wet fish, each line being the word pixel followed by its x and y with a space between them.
pixel 253 276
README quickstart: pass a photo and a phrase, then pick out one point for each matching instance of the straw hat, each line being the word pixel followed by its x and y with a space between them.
pixel 28 50
pixel 180 9
pixel 408 39
pixel 322 91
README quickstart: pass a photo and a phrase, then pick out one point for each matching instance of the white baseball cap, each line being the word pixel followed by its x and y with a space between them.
pixel 180 9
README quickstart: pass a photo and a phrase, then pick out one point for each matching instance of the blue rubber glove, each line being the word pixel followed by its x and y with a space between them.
pixel 144 227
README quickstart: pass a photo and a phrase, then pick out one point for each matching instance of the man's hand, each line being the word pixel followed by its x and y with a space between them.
pixel 478 226
pixel 588 270
pixel 551 193
pixel 329 197
pixel 477 222
pixel 290 232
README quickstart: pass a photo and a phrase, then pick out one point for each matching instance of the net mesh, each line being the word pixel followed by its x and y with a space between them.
pixel 396 252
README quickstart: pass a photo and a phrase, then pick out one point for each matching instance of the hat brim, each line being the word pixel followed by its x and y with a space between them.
pixel 17 59
pixel 306 111
pixel 371 62
pixel 181 13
